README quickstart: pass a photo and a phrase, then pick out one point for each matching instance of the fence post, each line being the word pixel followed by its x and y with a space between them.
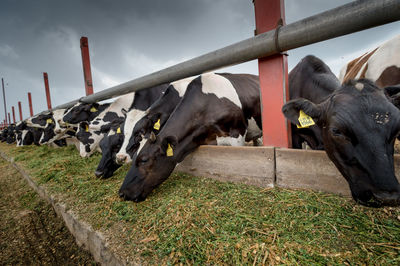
pixel 30 103
pixel 87 73
pixel 13 112
pixel 9 118
pixel 269 15
pixel 5 105
pixel 20 111
pixel 46 85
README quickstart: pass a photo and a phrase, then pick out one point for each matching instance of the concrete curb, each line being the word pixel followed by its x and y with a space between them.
pixel 84 234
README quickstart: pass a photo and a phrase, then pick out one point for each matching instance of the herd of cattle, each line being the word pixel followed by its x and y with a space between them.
pixel 356 122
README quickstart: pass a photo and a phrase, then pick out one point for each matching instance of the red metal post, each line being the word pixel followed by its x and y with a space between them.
pixel 20 111
pixel 273 77
pixel 13 111
pixel 87 73
pixel 46 85
pixel 4 98
pixel 30 103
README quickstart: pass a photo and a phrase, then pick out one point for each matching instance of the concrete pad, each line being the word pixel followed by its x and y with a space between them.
pixel 308 169
pixel 248 165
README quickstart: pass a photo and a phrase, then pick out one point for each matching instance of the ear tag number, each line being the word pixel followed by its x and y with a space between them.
pixel 86 128
pixel 119 130
pixel 93 109
pixel 305 120
pixel 49 121
pixel 170 152
pixel 157 125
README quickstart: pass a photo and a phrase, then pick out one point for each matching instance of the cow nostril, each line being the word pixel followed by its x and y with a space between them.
pixel 120 158
pixel 98 173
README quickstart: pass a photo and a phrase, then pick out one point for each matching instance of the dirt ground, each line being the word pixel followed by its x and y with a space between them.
pixel 30 231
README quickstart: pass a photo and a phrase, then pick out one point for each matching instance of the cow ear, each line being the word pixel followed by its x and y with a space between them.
pixel 291 110
pixel 168 145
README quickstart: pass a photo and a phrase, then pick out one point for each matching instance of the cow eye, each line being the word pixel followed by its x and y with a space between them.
pixel 143 160
pixel 336 132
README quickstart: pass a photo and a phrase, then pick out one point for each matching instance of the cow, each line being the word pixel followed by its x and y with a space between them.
pixel 26 135
pixel 118 148
pixel 109 146
pixel 359 124
pixel 138 124
pixel 10 134
pixel 382 65
pixel 91 133
pixel 214 105
pixel 313 80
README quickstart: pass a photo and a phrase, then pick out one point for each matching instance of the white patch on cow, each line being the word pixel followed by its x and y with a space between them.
pixel 387 55
pixel 231 141
pixel 142 142
pixel 24 132
pixel 132 117
pixel 359 86
pixel 181 85
pixel 220 86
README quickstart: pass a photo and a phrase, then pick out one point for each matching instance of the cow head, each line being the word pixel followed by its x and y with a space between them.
pixel 359 125
pixel 151 167
pixel 134 128
pixel 109 145
pixel 48 134
pixel 81 112
pixel 84 135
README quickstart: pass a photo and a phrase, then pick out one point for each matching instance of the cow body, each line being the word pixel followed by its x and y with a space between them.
pixel 358 124
pixel 214 105
pixel 382 65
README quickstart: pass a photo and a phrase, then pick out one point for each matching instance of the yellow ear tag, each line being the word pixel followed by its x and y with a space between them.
pixel 118 130
pixel 157 125
pixel 170 152
pixel 86 128
pixel 93 109
pixel 49 121
pixel 305 120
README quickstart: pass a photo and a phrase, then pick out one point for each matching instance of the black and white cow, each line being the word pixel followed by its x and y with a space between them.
pixel 139 124
pixel 26 135
pixel 91 133
pixel 10 134
pixel 214 105
pixel 358 125
pixel 118 148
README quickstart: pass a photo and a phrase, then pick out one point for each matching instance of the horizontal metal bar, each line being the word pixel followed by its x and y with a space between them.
pixel 349 18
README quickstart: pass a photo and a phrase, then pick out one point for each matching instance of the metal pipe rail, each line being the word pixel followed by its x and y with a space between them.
pixel 349 18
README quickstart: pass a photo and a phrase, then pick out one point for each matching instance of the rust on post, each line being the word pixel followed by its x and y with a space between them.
pixel 30 103
pixel 46 85
pixel 87 73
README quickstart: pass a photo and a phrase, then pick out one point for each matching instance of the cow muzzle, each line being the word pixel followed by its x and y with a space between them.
pixel 121 158
pixel 387 199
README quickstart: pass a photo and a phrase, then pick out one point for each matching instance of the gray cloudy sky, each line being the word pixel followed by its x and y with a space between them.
pixel 128 39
